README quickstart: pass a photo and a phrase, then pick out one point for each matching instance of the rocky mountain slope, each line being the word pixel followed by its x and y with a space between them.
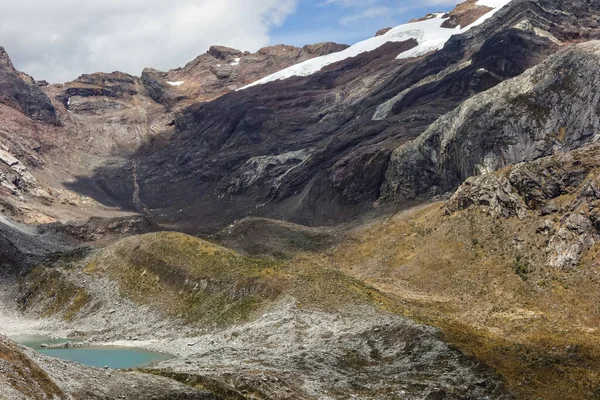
pixel 285 329
pixel 222 69
pixel 315 149
pixel 548 109
pixel 508 266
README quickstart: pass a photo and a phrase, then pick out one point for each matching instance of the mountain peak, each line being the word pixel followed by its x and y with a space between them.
pixel 5 59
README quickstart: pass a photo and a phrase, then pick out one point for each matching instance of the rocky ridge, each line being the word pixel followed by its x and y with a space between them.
pixel 20 91
pixel 548 109
pixel 223 69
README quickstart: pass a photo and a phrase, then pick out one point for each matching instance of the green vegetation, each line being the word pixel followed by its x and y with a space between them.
pixel 522 267
pixel 190 278
pixel 196 281
pixel 48 292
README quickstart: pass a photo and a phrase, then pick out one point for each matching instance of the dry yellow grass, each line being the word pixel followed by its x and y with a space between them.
pixel 481 280
pixel 196 281
pixel 484 282
pixel 24 375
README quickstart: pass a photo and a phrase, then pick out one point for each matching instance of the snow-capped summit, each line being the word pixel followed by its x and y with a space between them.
pixel 430 33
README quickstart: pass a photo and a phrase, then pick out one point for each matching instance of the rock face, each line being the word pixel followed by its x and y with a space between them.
pixel 20 91
pixel 383 31
pixel 22 248
pixel 553 107
pixel 17 180
pixel 563 190
pixel 109 112
pixel 465 14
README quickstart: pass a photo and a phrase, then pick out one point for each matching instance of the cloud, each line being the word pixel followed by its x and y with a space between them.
pixel 347 3
pixel 373 12
pixel 60 39
pixel 380 11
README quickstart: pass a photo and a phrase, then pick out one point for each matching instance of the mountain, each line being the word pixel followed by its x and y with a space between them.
pixel 415 216
pixel 316 149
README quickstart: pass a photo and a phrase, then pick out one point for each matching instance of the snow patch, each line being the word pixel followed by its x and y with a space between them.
pixel 435 37
pixel 178 83
pixel 235 62
pixel 429 34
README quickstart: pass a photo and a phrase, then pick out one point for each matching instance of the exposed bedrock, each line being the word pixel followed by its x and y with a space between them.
pixel 553 107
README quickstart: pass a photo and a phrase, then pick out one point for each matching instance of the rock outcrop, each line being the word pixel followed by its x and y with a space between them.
pixel 465 14
pixel 562 190
pixel 551 108
pixel 20 91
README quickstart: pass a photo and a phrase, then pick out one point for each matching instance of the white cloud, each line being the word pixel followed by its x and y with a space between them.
pixel 60 39
pixel 381 10
pixel 347 3
pixel 373 12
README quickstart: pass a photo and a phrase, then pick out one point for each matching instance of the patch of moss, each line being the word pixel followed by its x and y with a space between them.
pixel 355 360
pixel 48 292
pixel 530 106
pixel 522 267
pixel 218 388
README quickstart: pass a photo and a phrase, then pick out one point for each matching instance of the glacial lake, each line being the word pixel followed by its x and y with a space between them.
pixel 112 357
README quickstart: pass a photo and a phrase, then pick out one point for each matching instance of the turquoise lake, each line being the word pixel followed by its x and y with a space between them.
pixel 112 357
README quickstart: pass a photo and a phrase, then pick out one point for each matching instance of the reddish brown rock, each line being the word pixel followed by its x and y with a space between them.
pixel 383 31
pixel 425 18
pixel 222 69
pixel 465 14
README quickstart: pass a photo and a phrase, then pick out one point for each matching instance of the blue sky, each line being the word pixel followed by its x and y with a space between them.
pixel 349 21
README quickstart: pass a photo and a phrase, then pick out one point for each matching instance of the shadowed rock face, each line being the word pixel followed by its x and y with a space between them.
pixel 20 91
pixel 22 248
pixel 259 146
pixel 313 150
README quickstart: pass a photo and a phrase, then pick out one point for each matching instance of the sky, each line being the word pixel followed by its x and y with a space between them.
pixel 58 40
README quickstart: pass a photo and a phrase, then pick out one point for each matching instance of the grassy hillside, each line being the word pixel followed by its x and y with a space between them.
pixel 194 280
pixel 484 281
